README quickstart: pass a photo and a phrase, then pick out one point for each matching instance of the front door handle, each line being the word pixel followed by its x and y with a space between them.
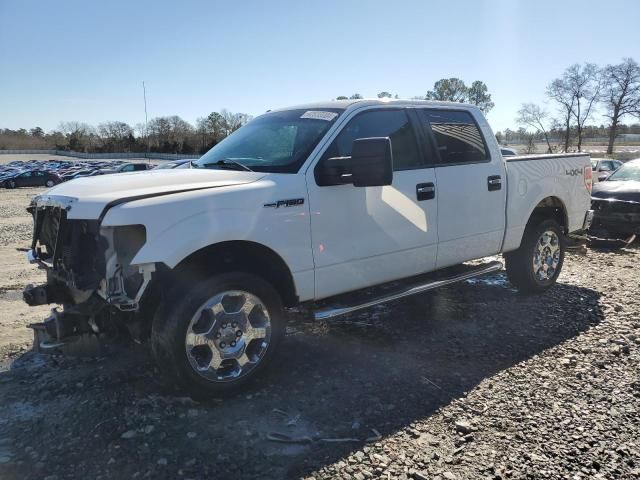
pixel 425 191
pixel 494 182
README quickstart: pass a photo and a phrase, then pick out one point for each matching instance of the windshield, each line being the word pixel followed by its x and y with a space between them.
pixel 629 171
pixel 274 142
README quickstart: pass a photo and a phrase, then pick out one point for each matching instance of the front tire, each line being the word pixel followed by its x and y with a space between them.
pixel 49 183
pixel 536 265
pixel 217 337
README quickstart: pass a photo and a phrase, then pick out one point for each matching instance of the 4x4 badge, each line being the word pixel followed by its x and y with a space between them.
pixel 292 202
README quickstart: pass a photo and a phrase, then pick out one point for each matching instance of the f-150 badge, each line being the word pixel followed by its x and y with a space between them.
pixel 292 202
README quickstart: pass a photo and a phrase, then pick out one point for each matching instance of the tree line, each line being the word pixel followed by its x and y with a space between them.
pixel 447 90
pixel 168 134
pixel 577 95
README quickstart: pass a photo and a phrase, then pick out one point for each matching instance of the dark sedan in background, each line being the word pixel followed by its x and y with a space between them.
pixel 33 178
pixel 616 202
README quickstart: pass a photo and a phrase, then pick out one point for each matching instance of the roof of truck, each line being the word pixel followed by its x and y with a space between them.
pixel 344 104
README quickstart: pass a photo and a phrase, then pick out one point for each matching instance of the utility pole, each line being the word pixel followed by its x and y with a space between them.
pixel 146 119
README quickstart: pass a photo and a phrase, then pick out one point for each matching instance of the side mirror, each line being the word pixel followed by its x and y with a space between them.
pixel 370 165
pixel 602 178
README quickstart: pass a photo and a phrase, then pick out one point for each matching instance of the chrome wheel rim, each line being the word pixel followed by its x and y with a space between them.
pixel 546 256
pixel 228 336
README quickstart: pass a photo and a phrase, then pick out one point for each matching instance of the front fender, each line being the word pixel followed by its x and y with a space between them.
pixel 179 225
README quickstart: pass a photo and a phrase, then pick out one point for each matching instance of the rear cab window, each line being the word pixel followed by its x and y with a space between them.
pixel 457 136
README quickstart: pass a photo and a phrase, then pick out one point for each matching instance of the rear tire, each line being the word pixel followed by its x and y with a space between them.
pixel 49 183
pixel 11 184
pixel 535 266
pixel 216 337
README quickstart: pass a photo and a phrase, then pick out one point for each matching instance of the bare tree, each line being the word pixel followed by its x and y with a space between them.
pixel 531 144
pixel 232 121
pixel 533 116
pixel 116 136
pixel 559 91
pixel 80 136
pixel 576 92
pixel 585 81
pixel 621 95
pixel 212 129
pixel 171 134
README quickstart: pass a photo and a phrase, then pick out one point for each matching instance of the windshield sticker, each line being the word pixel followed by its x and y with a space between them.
pixel 319 115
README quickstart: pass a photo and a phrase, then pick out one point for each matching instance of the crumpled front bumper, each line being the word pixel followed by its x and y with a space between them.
pixel 616 216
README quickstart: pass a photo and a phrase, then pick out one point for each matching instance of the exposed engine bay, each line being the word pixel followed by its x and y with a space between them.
pixel 89 272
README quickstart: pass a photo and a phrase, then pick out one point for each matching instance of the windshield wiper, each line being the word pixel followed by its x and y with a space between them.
pixel 226 162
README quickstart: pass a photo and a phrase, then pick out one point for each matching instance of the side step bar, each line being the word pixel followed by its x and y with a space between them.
pixel 407 290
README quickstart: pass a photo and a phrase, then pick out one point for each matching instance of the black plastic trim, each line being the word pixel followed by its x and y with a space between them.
pixel 543 156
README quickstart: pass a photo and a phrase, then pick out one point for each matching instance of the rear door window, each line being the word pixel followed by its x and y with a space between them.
pixel 458 138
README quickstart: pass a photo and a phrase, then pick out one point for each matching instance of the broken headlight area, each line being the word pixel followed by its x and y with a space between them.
pixel 81 258
pixel 123 280
pixel 89 272
pixel 73 251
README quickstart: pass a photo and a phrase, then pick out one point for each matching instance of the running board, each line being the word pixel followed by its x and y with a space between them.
pixel 407 290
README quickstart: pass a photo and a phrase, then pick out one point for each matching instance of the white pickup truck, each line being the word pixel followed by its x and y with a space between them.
pixel 298 207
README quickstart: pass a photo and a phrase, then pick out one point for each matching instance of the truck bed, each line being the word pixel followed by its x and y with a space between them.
pixel 533 178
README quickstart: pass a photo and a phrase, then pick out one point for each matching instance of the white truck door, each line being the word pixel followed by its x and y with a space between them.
pixel 471 187
pixel 366 236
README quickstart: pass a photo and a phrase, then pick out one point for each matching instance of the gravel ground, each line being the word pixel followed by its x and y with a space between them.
pixel 470 381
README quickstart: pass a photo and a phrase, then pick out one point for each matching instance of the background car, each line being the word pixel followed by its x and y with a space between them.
pixel 508 152
pixel 128 167
pixel 616 202
pixel 60 170
pixel 172 164
pixel 603 167
pixel 33 178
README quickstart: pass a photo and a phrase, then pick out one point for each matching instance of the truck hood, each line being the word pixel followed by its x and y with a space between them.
pixel 88 197
pixel 627 190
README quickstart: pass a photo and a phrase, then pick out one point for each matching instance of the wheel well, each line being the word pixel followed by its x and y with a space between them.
pixel 242 256
pixel 550 207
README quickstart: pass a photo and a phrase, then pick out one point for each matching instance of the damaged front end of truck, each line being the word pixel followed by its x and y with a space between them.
pixel 89 273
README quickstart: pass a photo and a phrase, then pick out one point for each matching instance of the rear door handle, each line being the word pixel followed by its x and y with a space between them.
pixel 425 191
pixel 494 182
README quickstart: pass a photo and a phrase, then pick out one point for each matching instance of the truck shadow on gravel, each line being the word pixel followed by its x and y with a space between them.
pixel 332 387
